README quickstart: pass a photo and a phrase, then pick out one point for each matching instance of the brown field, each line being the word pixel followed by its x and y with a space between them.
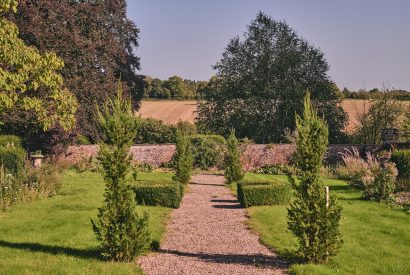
pixel 171 111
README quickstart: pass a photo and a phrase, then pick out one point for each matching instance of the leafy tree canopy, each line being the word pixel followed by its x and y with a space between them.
pixel 261 81
pixel 97 42
pixel 29 80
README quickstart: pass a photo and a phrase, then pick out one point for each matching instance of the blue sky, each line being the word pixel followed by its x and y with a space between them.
pixel 366 42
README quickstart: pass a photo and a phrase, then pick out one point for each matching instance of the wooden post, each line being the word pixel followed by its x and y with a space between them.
pixel 327 196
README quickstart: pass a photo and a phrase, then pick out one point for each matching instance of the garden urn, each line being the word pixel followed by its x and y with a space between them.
pixel 37 160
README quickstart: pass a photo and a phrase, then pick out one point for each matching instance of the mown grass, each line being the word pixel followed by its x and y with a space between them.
pixel 376 236
pixel 54 235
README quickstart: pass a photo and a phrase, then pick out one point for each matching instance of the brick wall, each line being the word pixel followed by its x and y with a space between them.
pixel 253 155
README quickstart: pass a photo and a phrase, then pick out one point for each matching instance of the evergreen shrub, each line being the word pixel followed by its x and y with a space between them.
pixel 263 193
pixel 163 193
pixel 208 151
pixel 233 166
pixel 13 159
pixel 402 160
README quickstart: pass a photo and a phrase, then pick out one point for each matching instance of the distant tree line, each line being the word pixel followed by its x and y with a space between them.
pixel 174 88
pixel 397 94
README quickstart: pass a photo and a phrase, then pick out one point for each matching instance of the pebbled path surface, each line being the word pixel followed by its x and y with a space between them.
pixel 208 235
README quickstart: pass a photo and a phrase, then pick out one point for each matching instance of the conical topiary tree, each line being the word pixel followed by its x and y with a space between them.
pixel 183 158
pixel 122 233
pixel 233 168
pixel 311 218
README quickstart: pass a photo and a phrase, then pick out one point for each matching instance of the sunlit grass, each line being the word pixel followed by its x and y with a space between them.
pixel 376 236
pixel 54 235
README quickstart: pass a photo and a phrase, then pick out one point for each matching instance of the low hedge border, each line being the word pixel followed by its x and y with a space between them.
pixel 254 193
pixel 162 193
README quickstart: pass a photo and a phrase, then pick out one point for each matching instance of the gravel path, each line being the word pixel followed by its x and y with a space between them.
pixel 208 235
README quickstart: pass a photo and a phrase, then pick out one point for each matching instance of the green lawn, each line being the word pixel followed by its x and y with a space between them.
pixel 376 236
pixel 54 235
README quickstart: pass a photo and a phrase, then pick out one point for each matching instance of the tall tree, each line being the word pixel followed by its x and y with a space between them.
pixel 312 218
pixel 261 81
pixel 97 43
pixel 29 80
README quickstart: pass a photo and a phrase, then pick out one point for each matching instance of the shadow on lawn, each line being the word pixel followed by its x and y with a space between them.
pixel 259 260
pixel 55 250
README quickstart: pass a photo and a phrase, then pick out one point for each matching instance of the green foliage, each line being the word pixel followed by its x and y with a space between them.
pixel 123 234
pixel 208 151
pixel 233 167
pixel 173 88
pixel 183 158
pixel 255 193
pixel 402 160
pixel 260 81
pixel 163 193
pixel 23 70
pixel 83 140
pixel 374 234
pixel 310 219
pixel 153 131
pixel 384 112
pixel 10 140
pixel 13 159
pixel 101 50
pixel 377 180
pixel 380 183
pixel 10 189
pixel 274 169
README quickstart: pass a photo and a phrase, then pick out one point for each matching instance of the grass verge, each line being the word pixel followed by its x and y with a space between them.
pixel 376 236
pixel 54 235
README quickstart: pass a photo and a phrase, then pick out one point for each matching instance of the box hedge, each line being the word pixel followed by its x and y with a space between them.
pixel 263 193
pixel 162 193
pixel 402 160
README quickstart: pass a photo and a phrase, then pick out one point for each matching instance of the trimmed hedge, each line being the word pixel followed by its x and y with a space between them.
pixel 402 160
pixel 263 193
pixel 163 193
pixel 10 139
pixel 208 150
pixel 13 159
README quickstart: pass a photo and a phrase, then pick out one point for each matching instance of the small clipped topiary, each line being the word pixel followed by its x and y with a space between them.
pixel 233 167
pixel 163 193
pixel 264 193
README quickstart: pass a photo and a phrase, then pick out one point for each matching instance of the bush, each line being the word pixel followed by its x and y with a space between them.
pixel 83 140
pixel 402 160
pixel 41 182
pixel 153 131
pixel 208 151
pixel 377 180
pixel 163 193
pixel 10 140
pixel 10 189
pixel 274 169
pixel 263 193
pixel 31 184
pixel 380 182
pixel 13 159
pixel 144 167
pixel 86 165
